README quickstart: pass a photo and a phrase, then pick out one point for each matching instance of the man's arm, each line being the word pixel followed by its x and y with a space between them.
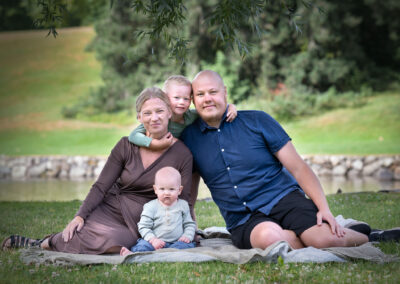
pixel 309 182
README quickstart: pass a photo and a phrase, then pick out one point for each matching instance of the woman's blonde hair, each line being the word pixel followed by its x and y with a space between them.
pixel 151 93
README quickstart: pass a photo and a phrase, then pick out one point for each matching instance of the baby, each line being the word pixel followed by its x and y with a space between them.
pixel 165 222
pixel 179 90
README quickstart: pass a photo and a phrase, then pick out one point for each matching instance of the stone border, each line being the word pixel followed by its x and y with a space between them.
pixel 382 167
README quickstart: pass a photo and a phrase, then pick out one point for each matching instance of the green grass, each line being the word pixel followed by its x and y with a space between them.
pixel 35 219
pixel 90 141
pixel 39 76
pixel 371 129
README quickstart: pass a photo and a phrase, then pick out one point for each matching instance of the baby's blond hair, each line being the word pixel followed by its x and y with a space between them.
pixel 170 172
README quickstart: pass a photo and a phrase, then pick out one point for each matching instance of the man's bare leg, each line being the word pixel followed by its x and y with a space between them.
pixel 267 233
pixel 322 237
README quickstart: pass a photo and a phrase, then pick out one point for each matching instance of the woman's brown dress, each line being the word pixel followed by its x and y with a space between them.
pixel 113 206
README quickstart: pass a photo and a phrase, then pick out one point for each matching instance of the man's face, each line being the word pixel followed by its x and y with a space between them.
pixel 209 97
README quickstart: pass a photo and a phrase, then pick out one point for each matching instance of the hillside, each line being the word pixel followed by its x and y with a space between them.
pixel 39 75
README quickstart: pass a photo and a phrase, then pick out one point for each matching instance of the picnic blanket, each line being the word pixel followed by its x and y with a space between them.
pixel 215 246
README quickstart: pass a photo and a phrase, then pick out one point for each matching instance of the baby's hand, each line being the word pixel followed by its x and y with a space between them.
pixel 232 113
pixel 157 243
pixel 184 239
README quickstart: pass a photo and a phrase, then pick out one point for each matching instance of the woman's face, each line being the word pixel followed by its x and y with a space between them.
pixel 154 115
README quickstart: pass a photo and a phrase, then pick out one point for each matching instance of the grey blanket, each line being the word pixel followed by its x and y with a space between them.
pixel 215 246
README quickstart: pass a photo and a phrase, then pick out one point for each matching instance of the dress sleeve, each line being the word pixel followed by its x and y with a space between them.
pixel 146 223
pixel 111 172
pixel 139 138
pixel 189 226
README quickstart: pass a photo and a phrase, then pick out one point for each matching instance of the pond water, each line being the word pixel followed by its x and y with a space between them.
pixel 66 190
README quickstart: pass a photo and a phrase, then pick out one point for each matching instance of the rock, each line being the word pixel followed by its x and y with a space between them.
pixel 396 174
pixel 100 165
pixel 18 172
pixel 384 174
pixel 315 167
pixel 370 169
pixel 37 170
pixel 63 174
pixel 336 160
pixel 320 160
pixel 387 162
pixel 4 171
pixel 339 170
pixel 77 172
pixel 325 172
pixel 370 159
pixel 357 165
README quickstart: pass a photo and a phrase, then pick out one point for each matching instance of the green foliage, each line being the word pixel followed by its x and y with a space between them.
pixel 129 63
pixel 299 104
pixel 49 14
pixel 238 89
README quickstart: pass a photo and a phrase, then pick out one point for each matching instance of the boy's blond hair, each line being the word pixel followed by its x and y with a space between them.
pixel 177 79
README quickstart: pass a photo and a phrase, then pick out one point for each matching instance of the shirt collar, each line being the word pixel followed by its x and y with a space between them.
pixel 203 125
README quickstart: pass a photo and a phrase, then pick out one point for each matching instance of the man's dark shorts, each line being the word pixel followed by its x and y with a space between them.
pixel 293 212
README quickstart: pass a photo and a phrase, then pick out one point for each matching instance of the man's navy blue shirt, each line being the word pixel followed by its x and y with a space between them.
pixel 237 163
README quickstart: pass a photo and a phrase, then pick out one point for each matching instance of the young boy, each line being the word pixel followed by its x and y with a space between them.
pixel 179 90
pixel 165 222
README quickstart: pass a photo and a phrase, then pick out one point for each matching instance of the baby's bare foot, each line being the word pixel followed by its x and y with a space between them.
pixel 124 251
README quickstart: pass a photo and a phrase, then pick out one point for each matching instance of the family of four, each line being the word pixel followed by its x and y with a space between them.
pixel 144 197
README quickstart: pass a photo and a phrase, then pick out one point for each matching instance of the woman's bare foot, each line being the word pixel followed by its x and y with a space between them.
pixel 124 251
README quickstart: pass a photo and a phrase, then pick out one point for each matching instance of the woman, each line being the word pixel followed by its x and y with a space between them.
pixel 108 217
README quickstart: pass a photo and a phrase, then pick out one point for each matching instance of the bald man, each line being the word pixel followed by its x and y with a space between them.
pixel 256 177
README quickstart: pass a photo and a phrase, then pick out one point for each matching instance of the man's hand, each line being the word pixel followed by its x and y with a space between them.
pixel 328 217
pixel 157 243
pixel 76 224
pixel 184 239
pixel 232 113
pixel 163 143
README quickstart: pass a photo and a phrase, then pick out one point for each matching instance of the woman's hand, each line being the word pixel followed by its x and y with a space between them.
pixel 232 113
pixel 76 224
pixel 328 217
pixel 157 243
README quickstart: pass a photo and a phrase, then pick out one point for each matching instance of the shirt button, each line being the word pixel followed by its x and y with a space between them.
pixel 244 203
pixel 219 130
pixel 222 150
pixel 228 168
pixel 235 187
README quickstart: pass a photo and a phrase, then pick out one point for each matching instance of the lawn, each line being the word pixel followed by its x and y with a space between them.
pixel 39 76
pixel 34 219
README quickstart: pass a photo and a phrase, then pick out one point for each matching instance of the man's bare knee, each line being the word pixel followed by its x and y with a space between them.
pixel 265 234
